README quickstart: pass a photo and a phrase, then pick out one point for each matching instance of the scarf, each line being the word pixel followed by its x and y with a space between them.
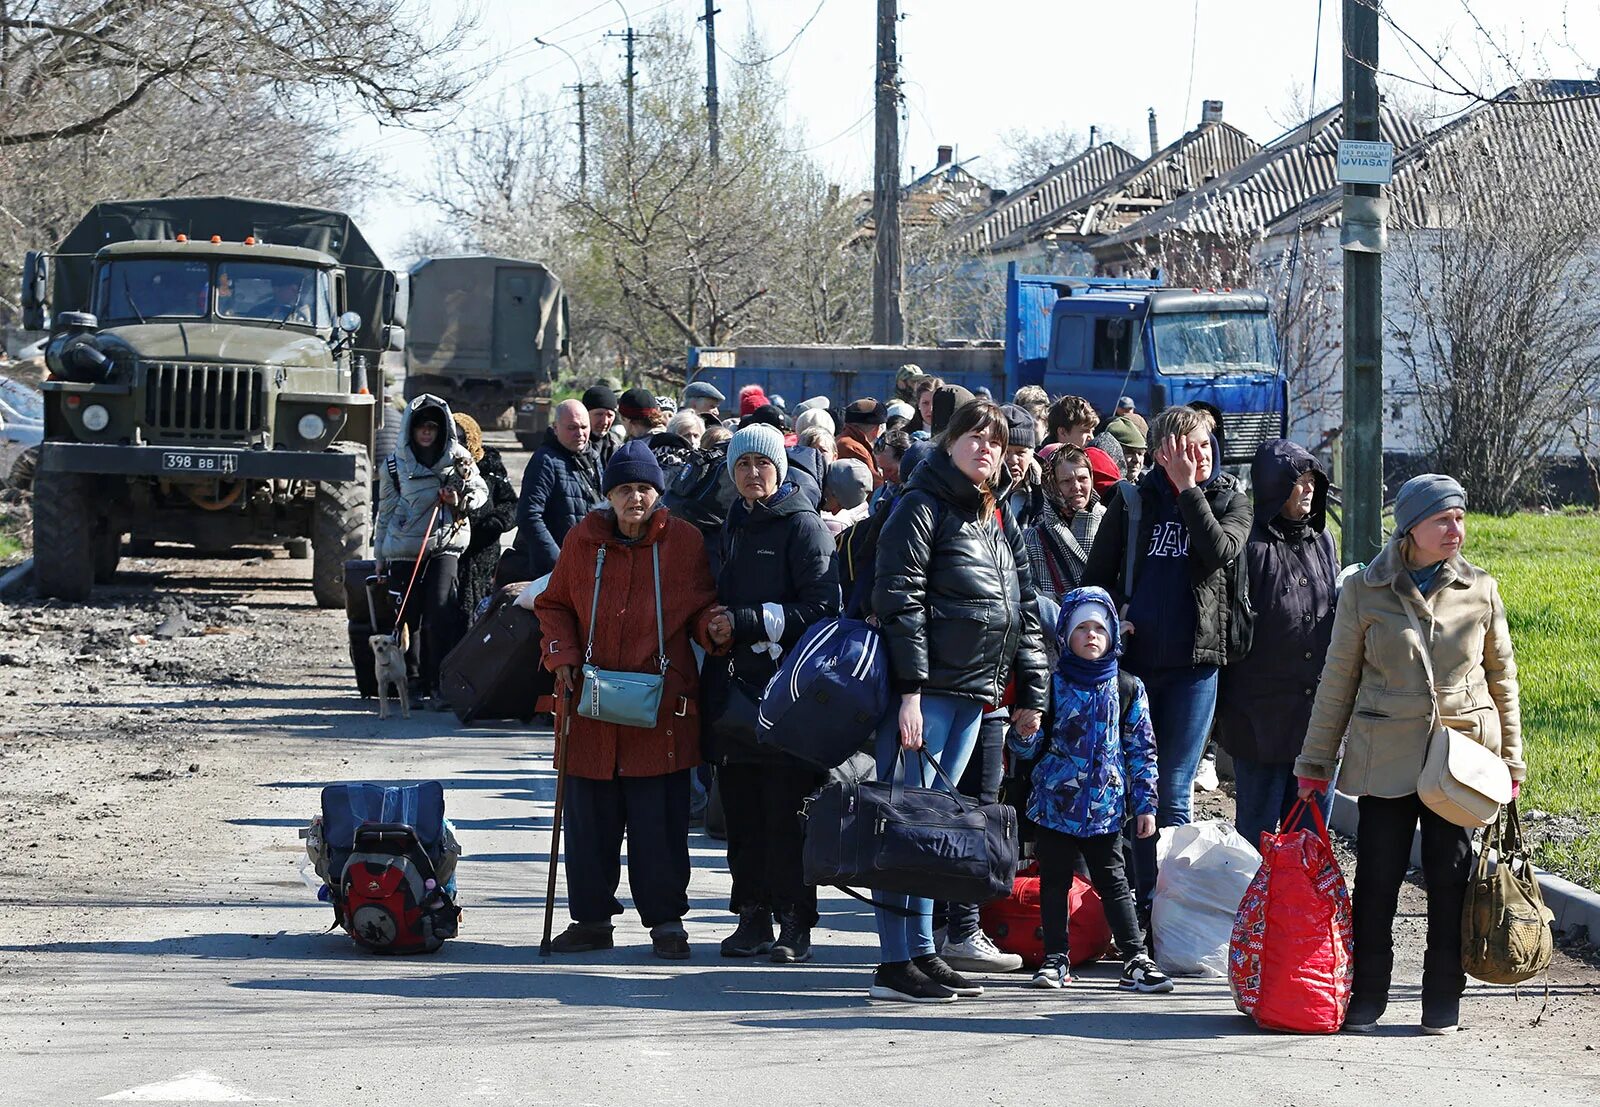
pixel 1086 701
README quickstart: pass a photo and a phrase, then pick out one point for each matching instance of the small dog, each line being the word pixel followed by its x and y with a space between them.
pixel 389 657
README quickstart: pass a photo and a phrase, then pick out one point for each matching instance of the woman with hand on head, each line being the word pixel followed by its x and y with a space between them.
pixel 955 599
pixel 1375 685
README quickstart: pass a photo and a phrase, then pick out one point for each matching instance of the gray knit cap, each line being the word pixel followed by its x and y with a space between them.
pixel 1424 496
pixel 759 438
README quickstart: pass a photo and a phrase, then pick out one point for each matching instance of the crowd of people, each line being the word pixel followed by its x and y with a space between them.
pixel 1073 603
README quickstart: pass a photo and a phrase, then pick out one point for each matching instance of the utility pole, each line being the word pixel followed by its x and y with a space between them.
pixel 1362 239
pixel 888 324
pixel 629 37
pixel 710 19
pixel 583 141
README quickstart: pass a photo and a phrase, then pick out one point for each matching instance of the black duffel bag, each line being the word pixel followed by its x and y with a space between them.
pixel 926 842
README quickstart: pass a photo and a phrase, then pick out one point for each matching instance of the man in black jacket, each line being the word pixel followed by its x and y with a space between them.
pixel 559 487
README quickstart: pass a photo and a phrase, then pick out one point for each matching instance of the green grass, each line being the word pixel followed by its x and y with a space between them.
pixel 9 548
pixel 1548 567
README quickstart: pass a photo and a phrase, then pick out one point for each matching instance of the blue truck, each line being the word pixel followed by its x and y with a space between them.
pixel 1095 337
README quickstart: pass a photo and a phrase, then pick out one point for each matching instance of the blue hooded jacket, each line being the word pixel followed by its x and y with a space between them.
pixel 1098 768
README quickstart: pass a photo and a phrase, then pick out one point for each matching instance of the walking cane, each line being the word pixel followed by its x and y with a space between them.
pixel 563 728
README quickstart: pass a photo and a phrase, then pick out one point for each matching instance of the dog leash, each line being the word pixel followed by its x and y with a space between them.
pixel 422 555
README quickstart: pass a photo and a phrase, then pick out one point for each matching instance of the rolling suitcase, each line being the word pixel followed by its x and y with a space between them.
pixel 355 588
pixel 361 659
pixel 378 609
pixel 494 672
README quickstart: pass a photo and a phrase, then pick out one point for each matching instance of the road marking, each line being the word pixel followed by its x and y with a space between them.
pixel 198 1086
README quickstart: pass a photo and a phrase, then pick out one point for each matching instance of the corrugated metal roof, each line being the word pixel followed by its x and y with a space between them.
pixel 1243 201
pixel 1539 122
pixel 943 195
pixel 1052 192
pixel 1208 151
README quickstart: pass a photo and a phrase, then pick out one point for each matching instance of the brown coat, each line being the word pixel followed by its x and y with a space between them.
pixel 1374 683
pixel 852 448
pixel 625 638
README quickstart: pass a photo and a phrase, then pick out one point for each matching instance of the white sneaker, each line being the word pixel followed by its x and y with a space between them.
pixel 1205 777
pixel 978 954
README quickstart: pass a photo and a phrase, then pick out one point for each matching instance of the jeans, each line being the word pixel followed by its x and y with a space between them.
pixel 653 811
pixel 1263 795
pixel 1058 856
pixel 765 839
pixel 982 778
pixel 1182 704
pixel 432 614
pixel 949 733
pixel 1383 853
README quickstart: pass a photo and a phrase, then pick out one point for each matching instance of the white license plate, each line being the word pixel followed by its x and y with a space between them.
pixel 201 464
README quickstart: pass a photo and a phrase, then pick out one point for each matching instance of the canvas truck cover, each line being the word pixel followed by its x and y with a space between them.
pixel 369 286
pixel 485 317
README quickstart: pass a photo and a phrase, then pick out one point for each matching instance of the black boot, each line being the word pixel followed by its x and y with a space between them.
pixel 753 936
pixel 1369 997
pixel 794 941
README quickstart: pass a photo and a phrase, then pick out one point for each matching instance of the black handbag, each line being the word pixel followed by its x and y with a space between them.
pixel 926 842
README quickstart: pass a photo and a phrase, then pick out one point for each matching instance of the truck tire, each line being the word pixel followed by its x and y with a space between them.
pixel 341 522
pixel 107 554
pixel 63 532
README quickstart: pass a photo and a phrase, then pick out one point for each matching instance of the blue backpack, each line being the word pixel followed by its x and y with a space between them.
pixel 829 695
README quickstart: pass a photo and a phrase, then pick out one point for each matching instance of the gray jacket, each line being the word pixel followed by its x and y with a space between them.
pixel 408 491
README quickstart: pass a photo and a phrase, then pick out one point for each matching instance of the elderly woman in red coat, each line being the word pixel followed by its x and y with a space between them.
pixel 625 779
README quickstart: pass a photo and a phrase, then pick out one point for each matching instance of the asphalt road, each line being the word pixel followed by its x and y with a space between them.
pixel 176 956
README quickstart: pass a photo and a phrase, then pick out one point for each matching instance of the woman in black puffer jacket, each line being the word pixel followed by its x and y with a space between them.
pixel 955 597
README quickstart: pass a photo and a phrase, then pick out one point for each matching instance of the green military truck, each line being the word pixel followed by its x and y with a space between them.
pixel 487 334
pixel 208 384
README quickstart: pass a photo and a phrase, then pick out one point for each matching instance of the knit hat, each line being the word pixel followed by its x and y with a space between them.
pixel 866 412
pixel 600 397
pixel 471 434
pixel 1090 610
pixel 1022 428
pixel 637 403
pixel 702 390
pixel 759 438
pixel 849 482
pixel 1127 432
pixel 901 409
pixel 668 405
pixel 751 396
pixel 813 417
pixel 1107 442
pixel 1103 471
pixel 633 463
pixel 1424 496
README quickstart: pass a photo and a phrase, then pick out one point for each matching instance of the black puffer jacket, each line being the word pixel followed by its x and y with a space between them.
pixel 1217 521
pixel 475 577
pixel 955 595
pixel 559 488
pixel 779 552
pixel 1264 703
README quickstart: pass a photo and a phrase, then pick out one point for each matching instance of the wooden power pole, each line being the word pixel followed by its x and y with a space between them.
pixel 710 19
pixel 888 323
pixel 1362 241
pixel 629 37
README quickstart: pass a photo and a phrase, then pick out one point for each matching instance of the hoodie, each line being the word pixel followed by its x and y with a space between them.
pixel 408 490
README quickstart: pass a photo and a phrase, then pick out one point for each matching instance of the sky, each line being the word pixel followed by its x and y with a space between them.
pixel 975 69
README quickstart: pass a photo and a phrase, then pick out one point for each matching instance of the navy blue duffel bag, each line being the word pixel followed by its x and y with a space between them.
pixel 829 695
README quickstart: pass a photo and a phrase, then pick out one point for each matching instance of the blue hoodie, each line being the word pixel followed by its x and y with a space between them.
pixel 1098 768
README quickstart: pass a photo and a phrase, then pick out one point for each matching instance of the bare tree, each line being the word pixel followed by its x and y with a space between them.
pixel 1030 154
pixel 69 68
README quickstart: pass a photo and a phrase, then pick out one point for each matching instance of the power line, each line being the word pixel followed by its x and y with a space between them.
pixel 804 27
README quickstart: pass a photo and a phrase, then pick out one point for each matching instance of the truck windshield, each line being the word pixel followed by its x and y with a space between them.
pixel 1212 342
pixel 147 288
pixel 279 293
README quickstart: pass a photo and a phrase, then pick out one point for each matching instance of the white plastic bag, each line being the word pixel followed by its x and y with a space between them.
pixel 1205 868
pixel 530 593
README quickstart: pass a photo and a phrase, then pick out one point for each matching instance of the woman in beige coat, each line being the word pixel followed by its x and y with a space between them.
pixel 1375 684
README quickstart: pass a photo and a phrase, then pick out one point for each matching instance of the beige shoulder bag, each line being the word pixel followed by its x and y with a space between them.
pixel 1462 781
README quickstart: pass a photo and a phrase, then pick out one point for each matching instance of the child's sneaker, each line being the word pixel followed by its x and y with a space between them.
pixel 1140 974
pixel 1056 972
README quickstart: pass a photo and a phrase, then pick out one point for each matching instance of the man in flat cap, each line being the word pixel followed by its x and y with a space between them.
pixel 863 423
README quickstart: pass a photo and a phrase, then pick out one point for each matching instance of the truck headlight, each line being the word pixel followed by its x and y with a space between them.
pixel 312 426
pixel 96 418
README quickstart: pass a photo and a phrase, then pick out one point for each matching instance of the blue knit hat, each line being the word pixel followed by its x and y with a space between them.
pixel 758 438
pixel 633 463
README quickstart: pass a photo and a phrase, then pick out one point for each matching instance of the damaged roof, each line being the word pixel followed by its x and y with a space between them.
pixel 945 194
pixel 1053 192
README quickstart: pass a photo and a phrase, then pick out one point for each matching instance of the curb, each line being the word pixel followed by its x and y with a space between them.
pixel 15 577
pixel 1576 908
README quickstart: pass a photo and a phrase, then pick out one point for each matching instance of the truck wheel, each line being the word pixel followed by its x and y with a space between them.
pixel 340 524
pixel 63 535
pixel 107 553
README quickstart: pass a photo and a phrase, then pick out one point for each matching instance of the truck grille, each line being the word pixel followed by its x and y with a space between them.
pixel 203 403
pixel 1244 431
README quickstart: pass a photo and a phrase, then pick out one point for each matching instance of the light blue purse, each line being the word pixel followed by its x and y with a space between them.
pixel 623 698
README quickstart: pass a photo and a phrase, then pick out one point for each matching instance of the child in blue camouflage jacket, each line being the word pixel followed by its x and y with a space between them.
pixel 1096 770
